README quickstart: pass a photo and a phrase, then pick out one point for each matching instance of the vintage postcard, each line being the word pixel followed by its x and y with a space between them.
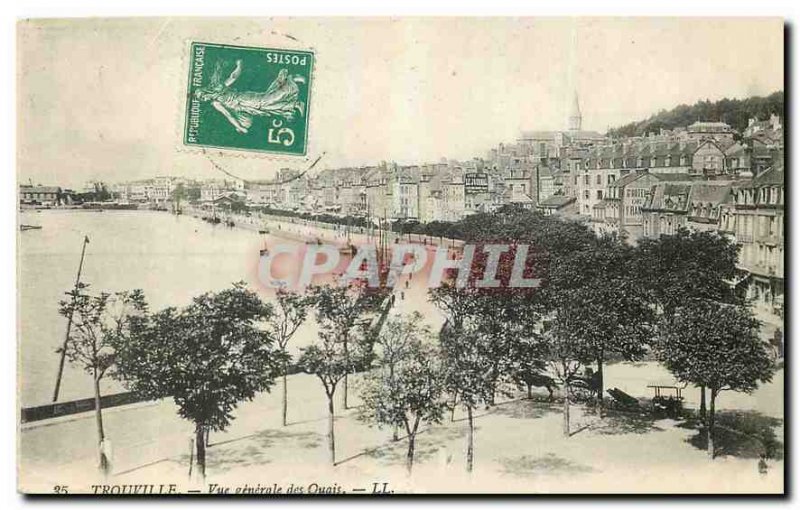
pixel 381 256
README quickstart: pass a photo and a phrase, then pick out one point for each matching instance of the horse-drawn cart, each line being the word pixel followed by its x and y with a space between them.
pixel 667 399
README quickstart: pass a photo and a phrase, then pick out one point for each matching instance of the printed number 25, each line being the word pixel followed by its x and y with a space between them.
pixel 60 489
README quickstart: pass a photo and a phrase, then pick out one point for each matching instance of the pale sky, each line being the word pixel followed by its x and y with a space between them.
pixel 103 99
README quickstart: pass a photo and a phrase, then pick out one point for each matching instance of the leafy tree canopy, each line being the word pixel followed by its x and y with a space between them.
pixel 715 345
pixel 208 356
pixel 734 112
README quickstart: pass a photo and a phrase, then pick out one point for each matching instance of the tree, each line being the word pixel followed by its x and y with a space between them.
pixel 687 265
pixel 457 305
pixel 98 323
pixel 506 322
pixel 467 373
pixel 208 357
pixel 564 352
pixel 602 304
pixel 330 363
pixel 339 311
pixel 715 345
pixel 394 341
pixel 289 314
pixel 408 395
pixel 179 193
pixel 735 112
pixel 193 193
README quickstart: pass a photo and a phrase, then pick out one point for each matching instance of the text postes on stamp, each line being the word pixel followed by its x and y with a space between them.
pixel 245 98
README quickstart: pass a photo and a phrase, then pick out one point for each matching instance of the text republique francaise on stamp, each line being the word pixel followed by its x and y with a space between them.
pixel 245 98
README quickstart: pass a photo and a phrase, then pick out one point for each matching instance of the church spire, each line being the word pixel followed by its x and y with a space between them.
pixel 574 121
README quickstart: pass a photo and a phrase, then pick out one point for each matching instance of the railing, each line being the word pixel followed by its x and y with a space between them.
pixel 47 411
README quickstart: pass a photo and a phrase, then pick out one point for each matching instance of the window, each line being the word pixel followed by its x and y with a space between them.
pixel 599 194
pixel 598 179
pixel 611 179
pixel 586 179
pixel 586 194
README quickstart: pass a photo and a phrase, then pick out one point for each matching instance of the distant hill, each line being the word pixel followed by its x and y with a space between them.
pixel 734 112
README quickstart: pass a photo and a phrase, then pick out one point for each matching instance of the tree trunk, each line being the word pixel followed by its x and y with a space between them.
pixel 344 389
pixel 410 457
pixel 600 381
pixel 453 409
pixel 470 440
pixel 530 395
pixel 710 428
pixel 105 465
pixel 703 404
pixel 347 370
pixel 200 442
pixel 566 410
pixel 395 432
pixel 285 403
pixel 331 438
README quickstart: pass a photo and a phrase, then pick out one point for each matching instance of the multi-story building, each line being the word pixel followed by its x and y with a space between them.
pixel 717 131
pixel 674 205
pixel 39 195
pixel 210 190
pixel 405 193
pixel 160 190
pixel 431 202
pixel 755 219
pixel 376 188
pixel 771 126
pixel 625 198
pixel 709 158
pixel 518 186
pixel 262 193
pixel 453 194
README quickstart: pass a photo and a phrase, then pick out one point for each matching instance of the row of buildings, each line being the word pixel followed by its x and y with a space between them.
pixel 704 176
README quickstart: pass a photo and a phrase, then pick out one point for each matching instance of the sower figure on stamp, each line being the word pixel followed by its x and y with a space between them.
pixel 239 107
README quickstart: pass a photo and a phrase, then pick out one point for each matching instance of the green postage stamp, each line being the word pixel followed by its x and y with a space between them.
pixel 246 98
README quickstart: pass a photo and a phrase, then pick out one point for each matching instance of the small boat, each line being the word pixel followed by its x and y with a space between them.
pixel 263 231
pixel 30 227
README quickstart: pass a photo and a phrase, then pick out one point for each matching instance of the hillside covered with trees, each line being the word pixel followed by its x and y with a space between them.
pixel 734 112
